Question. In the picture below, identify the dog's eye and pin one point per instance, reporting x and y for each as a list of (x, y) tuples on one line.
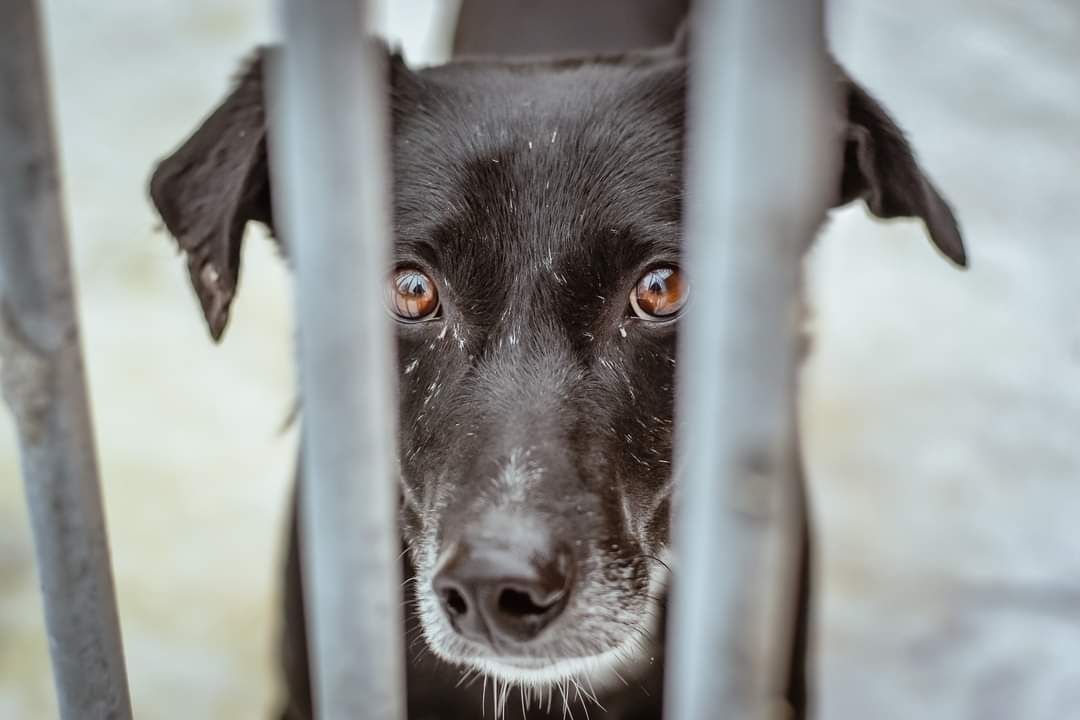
[(411, 295), (659, 294)]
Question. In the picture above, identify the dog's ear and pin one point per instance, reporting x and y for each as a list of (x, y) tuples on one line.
[(218, 180), (880, 167), (209, 188)]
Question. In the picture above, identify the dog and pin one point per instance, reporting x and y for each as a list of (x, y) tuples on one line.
[(537, 207)]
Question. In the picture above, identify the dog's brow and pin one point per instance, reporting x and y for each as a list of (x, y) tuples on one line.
[(412, 251), (652, 242)]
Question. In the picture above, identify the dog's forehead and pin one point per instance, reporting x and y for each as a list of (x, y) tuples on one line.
[(530, 158)]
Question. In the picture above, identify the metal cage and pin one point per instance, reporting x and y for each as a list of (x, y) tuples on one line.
[(755, 174)]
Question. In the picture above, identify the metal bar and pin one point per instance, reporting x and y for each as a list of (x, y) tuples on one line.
[(760, 172), (41, 370), (329, 141)]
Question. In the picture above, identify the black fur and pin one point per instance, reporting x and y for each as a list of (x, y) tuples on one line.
[(535, 194)]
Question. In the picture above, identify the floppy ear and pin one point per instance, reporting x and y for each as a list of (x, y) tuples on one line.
[(219, 179), (880, 167), (211, 186)]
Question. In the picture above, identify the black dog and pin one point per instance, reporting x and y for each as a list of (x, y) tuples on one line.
[(537, 209)]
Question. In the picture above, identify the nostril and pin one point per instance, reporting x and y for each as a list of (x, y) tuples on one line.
[(517, 603), (490, 593), (454, 601)]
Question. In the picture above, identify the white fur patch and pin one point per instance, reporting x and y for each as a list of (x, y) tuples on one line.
[(519, 472)]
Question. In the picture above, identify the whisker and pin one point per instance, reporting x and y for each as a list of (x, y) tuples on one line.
[(657, 560), (464, 676), (593, 697), (577, 689)]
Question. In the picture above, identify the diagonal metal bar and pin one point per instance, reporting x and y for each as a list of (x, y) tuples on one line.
[(760, 174), (41, 370)]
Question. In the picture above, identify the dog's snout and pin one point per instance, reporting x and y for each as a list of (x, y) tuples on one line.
[(494, 592)]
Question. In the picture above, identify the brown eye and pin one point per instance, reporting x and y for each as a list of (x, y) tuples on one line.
[(659, 294), (411, 295)]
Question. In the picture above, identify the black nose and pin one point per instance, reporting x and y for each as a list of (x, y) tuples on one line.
[(495, 591)]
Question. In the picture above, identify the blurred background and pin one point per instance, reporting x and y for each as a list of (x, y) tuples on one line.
[(941, 410)]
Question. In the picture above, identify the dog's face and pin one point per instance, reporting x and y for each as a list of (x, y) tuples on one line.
[(537, 288), (536, 388)]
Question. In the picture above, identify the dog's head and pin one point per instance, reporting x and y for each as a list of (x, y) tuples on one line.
[(537, 288)]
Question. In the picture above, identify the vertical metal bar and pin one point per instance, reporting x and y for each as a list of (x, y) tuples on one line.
[(44, 385), (329, 141), (760, 172)]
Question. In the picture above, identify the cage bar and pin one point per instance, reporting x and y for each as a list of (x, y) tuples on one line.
[(760, 162), (329, 140), (41, 370)]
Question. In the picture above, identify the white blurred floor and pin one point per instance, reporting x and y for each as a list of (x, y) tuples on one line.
[(941, 409)]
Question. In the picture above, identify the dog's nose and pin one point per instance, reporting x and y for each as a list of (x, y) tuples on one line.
[(495, 592)]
